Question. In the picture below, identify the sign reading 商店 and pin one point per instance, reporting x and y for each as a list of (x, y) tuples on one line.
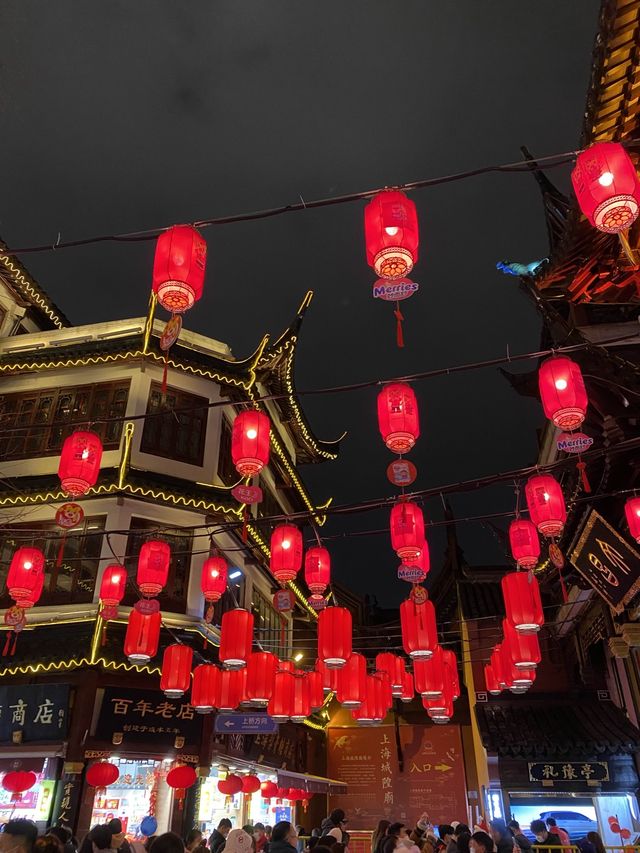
[(607, 562), (39, 711)]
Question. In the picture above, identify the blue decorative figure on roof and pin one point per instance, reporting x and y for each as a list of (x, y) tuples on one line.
[(514, 268)]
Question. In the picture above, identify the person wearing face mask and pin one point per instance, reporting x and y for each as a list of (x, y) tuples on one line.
[(544, 838)]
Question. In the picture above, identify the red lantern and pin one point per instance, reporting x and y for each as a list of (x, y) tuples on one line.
[(419, 631), (205, 688), (398, 418), (101, 775), (80, 462), (452, 680), (439, 710), (213, 580), (286, 665), (523, 649), (329, 676), (230, 786), (113, 585), (407, 530), (286, 553), (352, 681), (261, 672), (301, 698), (316, 691), (26, 576), (334, 636), (250, 784), (268, 790), (142, 637), (564, 397), (365, 713), (153, 566), (429, 675), (408, 688), (394, 667), (497, 667), (231, 685), (181, 777), (176, 670), (632, 512), (317, 569), (250, 442), (391, 234), (607, 187), (490, 680), (522, 602), (546, 504), (17, 782), (525, 545), (423, 562), (236, 638), (281, 703), (383, 699), (178, 268)]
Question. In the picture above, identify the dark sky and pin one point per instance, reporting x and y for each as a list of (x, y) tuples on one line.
[(121, 116)]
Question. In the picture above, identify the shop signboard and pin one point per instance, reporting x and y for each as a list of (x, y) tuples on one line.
[(146, 716), (251, 724), (568, 771), (607, 562), (65, 807), (39, 712)]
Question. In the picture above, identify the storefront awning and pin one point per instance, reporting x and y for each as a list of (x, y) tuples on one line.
[(313, 784)]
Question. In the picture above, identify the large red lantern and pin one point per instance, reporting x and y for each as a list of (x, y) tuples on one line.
[(523, 649), (176, 670), (497, 667), (546, 504), (452, 680), (525, 545), (250, 784), (490, 680), (153, 566), (352, 681), (142, 637), (439, 710), (316, 689), (317, 569), (281, 703), (286, 553), (301, 698), (205, 688), (391, 234), (179, 267), (230, 786), (632, 513), (231, 685), (102, 774), (268, 790), (407, 530), (236, 638), (182, 776), (383, 699), (261, 672), (113, 585), (80, 460), (394, 667), (26, 576), (564, 397), (17, 782), (364, 715), (213, 580), (328, 675), (398, 418), (334, 636), (607, 187), (522, 602), (408, 687), (429, 675), (419, 631), (250, 442)]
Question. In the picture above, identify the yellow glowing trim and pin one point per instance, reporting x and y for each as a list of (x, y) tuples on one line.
[(315, 726), (23, 282), (126, 453), (128, 667), (148, 326), (96, 638), (318, 726), (59, 495), (178, 500), (207, 374), (54, 666)]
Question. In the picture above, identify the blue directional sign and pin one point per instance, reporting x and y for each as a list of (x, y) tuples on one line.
[(248, 724)]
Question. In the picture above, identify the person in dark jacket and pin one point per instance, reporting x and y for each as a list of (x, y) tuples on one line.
[(379, 834), (544, 839), (502, 838), (334, 825), (390, 841), (284, 838), (520, 838), (219, 836)]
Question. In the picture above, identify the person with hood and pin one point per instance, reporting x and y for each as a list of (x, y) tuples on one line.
[(284, 838), (219, 836), (334, 825)]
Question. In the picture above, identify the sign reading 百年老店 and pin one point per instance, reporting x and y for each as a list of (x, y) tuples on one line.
[(147, 715), (607, 562), (37, 711), (569, 771)]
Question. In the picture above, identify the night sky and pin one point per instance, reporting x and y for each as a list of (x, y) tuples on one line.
[(122, 116)]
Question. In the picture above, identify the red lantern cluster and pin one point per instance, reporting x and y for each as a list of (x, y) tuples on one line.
[(250, 442), (391, 234), (398, 418), (153, 567), (607, 187), (179, 267), (80, 462), (286, 553), (564, 397), (25, 579), (545, 502)]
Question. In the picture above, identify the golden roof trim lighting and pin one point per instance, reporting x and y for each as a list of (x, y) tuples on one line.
[(22, 281)]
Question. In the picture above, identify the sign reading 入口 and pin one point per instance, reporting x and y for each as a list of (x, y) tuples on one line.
[(569, 771), (607, 562), (38, 711)]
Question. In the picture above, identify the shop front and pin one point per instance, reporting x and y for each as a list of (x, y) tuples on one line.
[(241, 809)]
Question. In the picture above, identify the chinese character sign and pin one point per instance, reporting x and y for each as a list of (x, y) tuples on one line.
[(569, 771), (147, 715), (39, 711)]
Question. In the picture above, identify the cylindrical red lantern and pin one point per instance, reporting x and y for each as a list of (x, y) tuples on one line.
[(101, 774), (546, 504), (26, 575), (365, 713), (429, 675), (419, 630), (301, 698), (452, 680), (113, 585), (286, 553), (525, 545), (383, 700), (394, 667), (632, 513), (523, 649), (18, 781), (522, 602), (281, 703), (213, 580), (407, 530), (490, 680), (153, 566), (261, 672), (268, 790), (398, 418), (439, 710), (423, 562), (329, 676), (250, 784), (334, 636), (142, 637), (408, 688), (250, 442), (316, 690), (236, 638), (80, 460), (231, 686), (564, 397), (179, 267), (176, 670), (352, 681), (182, 776), (607, 188), (497, 667), (317, 569), (205, 688), (286, 665), (391, 234)]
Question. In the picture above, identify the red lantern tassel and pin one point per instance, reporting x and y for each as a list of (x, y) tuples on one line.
[(244, 526), (103, 640), (582, 467), (399, 320), (163, 387), (565, 597), (61, 550), (7, 644)]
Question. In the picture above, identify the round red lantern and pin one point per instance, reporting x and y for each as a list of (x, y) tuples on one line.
[(250, 784), (231, 685), (632, 513), (407, 530), (18, 781), (236, 638), (607, 187), (113, 585), (142, 637), (286, 553), (408, 688), (268, 790), (328, 675), (181, 777), (301, 698), (394, 667), (230, 786), (176, 670), (398, 418), (391, 234), (316, 691), (281, 703), (250, 442), (334, 636), (525, 545), (153, 566), (490, 680), (546, 504), (102, 774), (179, 267), (261, 672), (523, 649), (429, 675), (564, 397), (419, 630), (213, 580), (317, 569), (522, 602), (80, 460), (26, 576), (205, 688), (352, 681)]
